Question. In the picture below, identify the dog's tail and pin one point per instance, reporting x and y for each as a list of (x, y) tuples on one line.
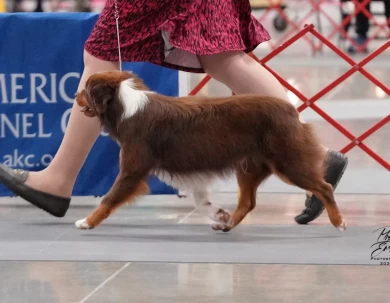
[(299, 143), (310, 137), (309, 151)]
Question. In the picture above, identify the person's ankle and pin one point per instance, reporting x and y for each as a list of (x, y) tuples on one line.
[(360, 41), (53, 184)]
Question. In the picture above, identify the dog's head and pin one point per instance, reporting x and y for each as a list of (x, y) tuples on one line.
[(101, 93)]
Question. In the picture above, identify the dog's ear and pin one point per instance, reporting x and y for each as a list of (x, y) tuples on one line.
[(81, 98), (102, 95), (82, 101)]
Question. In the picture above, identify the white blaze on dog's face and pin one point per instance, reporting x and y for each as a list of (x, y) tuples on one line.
[(132, 100)]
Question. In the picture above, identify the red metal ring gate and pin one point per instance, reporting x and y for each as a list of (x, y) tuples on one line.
[(338, 27), (310, 102)]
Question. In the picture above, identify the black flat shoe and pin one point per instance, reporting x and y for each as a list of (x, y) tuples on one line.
[(14, 180), (336, 164)]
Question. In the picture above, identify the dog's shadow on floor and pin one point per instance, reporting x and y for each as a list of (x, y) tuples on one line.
[(49, 224), (212, 238), (158, 233), (188, 233)]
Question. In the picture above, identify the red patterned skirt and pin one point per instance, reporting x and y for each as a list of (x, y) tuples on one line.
[(172, 33)]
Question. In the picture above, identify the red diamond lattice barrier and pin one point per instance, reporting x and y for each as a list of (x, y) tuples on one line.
[(310, 102), (360, 7), (276, 5), (338, 27)]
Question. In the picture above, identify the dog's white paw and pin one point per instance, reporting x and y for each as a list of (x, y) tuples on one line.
[(221, 226), (223, 220), (82, 224), (223, 216), (342, 227)]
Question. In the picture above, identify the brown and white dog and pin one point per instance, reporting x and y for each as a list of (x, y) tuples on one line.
[(189, 141)]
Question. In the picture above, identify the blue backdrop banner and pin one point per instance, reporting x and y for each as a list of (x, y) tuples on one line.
[(41, 61)]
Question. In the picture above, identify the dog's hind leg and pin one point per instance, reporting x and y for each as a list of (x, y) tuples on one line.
[(248, 180), (310, 178)]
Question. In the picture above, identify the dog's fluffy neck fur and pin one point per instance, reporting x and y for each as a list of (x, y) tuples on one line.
[(132, 99), (131, 102)]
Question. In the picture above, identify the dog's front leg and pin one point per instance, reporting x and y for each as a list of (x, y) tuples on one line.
[(125, 189), (130, 183)]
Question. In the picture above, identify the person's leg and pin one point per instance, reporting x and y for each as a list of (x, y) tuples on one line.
[(80, 135), (39, 7), (362, 22), (51, 188), (386, 3), (82, 6), (17, 6), (344, 14), (362, 27), (242, 74)]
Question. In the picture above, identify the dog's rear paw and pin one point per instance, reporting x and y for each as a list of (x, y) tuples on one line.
[(342, 227), (82, 224)]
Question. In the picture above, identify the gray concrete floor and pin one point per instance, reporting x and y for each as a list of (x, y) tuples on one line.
[(89, 281)]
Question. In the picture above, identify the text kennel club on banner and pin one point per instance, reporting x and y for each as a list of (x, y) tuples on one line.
[(41, 63)]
